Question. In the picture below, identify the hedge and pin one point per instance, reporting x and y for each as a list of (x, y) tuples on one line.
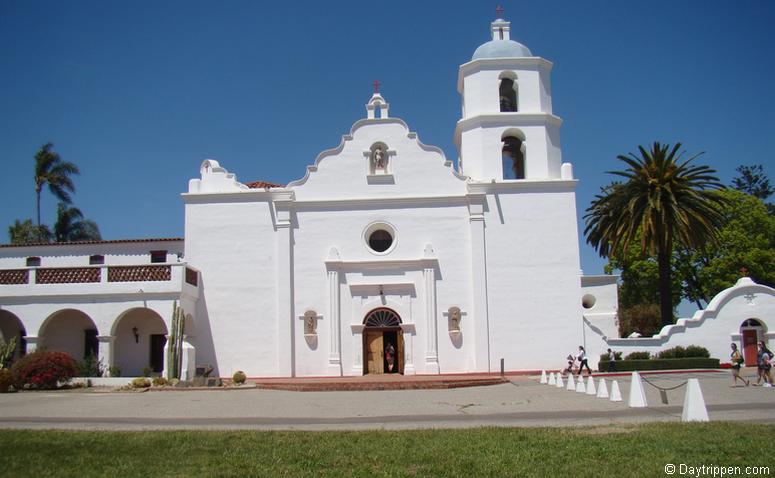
[(661, 364)]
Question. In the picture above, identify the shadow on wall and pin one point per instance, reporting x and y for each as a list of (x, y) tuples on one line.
[(205, 347)]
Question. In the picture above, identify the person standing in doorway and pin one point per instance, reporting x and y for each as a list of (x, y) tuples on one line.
[(737, 363), (582, 358), (390, 357)]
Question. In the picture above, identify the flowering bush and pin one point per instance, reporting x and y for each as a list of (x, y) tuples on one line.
[(43, 369)]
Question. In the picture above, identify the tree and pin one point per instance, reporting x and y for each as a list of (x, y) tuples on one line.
[(747, 240), (71, 226), (754, 181), (28, 233), (665, 200), (51, 170)]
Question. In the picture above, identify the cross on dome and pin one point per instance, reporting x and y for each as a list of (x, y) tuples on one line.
[(376, 86), (499, 12)]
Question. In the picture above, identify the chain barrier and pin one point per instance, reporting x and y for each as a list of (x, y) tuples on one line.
[(663, 390)]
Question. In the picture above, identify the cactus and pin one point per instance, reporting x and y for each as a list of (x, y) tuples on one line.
[(7, 351), (175, 343)]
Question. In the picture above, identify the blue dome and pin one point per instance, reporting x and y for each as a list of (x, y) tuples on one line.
[(501, 49)]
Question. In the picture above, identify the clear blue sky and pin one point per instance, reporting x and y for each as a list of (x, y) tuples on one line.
[(138, 93)]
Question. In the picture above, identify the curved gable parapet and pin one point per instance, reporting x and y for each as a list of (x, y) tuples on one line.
[(214, 179), (354, 136), (742, 288)]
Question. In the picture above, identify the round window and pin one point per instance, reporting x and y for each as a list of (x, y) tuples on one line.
[(380, 240), (588, 301)]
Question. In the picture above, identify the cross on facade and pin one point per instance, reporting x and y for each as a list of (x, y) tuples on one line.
[(744, 271), (376, 86), (499, 12)]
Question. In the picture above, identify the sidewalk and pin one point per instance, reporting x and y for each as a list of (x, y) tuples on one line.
[(520, 402)]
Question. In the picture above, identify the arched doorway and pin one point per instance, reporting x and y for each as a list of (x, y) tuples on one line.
[(10, 327), (382, 334), (70, 331), (752, 331), (141, 335)]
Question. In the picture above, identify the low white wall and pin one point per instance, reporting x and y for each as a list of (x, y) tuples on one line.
[(715, 327)]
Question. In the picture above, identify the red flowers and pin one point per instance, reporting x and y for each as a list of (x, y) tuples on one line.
[(43, 369)]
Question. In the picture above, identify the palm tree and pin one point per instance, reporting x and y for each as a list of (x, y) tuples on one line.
[(50, 169), (664, 200), (71, 226)]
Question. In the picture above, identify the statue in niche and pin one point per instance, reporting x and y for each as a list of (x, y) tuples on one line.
[(309, 323), (378, 160), (454, 318)]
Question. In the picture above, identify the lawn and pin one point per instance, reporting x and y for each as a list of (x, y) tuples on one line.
[(621, 450)]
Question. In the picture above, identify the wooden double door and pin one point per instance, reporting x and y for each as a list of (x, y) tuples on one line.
[(375, 342)]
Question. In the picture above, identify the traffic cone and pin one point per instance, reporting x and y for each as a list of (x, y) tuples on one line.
[(591, 386), (571, 384), (616, 395), (637, 394), (559, 381), (580, 388), (552, 379), (543, 376), (602, 389), (694, 405)]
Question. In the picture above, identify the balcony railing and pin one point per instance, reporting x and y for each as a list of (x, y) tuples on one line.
[(177, 272)]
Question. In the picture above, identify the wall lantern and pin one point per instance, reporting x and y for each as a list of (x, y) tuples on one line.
[(136, 334)]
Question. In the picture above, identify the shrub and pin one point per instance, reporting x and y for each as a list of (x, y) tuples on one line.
[(141, 382), (114, 371), (673, 353), (43, 369), (638, 356), (663, 364), (160, 381), (697, 351), (239, 377), (605, 357), (90, 367), (688, 352), (7, 351), (6, 380)]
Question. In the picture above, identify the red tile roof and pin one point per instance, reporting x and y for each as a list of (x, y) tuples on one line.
[(114, 241), (263, 184)]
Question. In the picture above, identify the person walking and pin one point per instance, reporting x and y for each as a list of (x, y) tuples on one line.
[(582, 358), (611, 361), (763, 365), (737, 363)]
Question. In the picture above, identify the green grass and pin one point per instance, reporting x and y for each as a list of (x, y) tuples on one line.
[(622, 450)]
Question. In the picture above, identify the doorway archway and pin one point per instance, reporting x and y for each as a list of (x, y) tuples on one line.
[(752, 331), (383, 342)]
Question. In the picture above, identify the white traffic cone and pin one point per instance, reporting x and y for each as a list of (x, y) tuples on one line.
[(580, 388), (571, 384), (552, 379), (616, 395), (591, 386), (602, 389), (637, 394), (559, 381), (694, 405), (543, 376)]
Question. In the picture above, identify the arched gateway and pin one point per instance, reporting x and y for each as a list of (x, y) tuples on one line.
[(383, 342)]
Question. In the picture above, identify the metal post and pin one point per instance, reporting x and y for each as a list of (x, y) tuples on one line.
[(502, 369)]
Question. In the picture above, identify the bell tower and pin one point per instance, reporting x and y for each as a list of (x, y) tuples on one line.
[(507, 131)]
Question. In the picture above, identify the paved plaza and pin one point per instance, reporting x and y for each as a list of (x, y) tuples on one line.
[(521, 402)]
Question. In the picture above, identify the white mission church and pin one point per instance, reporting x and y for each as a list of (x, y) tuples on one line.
[(382, 244)]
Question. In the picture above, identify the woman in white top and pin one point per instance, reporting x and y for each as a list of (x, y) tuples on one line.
[(582, 358)]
